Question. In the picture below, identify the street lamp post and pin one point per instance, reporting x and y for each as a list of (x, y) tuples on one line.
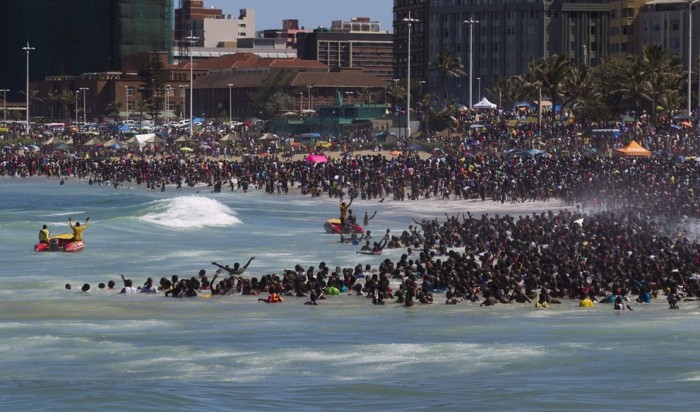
[(690, 48), (4, 104), (183, 93), (230, 118), (126, 98), (409, 21), (396, 103), (167, 104), (308, 86), (28, 49), (478, 81), (84, 90), (77, 94), (191, 39), (471, 22)]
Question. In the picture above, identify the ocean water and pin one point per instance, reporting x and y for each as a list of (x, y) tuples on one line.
[(67, 350)]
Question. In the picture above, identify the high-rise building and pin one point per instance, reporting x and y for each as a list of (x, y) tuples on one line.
[(210, 26), (356, 43), (71, 37), (506, 35)]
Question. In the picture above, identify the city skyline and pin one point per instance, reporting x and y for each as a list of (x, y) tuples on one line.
[(270, 13)]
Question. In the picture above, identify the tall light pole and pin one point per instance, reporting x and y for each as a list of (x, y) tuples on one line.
[(478, 81), (167, 104), (230, 119), (4, 104), (308, 86), (77, 94), (690, 48), (191, 39), (126, 98), (301, 103), (84, 90), (409, 21), (471, 22), (183, 93), (28, 49), (690, 36)]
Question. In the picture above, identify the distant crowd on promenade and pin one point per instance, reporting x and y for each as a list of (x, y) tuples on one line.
[(661, 184)]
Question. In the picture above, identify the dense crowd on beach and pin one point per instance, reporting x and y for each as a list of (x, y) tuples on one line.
[(626, 250), (661, 184)]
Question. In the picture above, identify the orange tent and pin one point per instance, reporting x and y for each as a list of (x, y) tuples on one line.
[(633, 149)]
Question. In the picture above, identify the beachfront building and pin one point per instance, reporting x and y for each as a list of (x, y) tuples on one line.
[(210, 27), (506, 35), (235, 79), (290, 32), (624, 27), (665, 23), (357, 43), (72, 37)]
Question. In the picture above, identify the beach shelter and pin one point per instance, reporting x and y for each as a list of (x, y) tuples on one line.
[(54, 141), (154, 140), (183, 139), (228, 138), (93, 142), (633, 149), (485, 104), (269, 136), (112, 143)]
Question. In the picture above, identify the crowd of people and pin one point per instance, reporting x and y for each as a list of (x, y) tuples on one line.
[(622, 248), (541, 259)]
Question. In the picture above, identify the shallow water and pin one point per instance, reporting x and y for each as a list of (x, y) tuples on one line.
[(66, 350)]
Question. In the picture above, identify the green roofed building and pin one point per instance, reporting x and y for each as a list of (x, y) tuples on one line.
[(72, 37)]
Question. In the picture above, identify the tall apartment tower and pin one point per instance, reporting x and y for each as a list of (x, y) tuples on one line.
[(72, 37), (506, 35)]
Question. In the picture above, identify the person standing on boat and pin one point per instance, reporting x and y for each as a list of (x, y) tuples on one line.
[(44, 235), (77, 228), (344, 207)]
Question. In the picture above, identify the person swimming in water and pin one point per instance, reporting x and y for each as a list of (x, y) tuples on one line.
[(236, 269)]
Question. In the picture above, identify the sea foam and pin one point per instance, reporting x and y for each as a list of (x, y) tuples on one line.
[(188, 212)]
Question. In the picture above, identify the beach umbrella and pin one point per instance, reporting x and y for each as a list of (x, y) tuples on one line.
[(204, 147), (269, 136), (186, 149), (414, 147), (316, 158)]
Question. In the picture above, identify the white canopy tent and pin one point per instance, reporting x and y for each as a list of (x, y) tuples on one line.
[(485, 104)]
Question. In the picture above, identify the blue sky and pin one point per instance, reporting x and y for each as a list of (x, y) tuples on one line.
[(310, 13)]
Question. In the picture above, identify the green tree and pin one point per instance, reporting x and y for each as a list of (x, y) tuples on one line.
[(551, 74), (448, 66), (154, 77), (114, 108), (274, 83)]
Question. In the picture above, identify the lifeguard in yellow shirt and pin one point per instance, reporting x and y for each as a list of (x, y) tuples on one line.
[(77, 228)]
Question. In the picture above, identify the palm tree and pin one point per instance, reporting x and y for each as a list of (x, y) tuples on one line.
[(551, 74), (67, 100), (53, 98), (397, 92), (367, 95), (448, 67), (115, 107), (664, 74)]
